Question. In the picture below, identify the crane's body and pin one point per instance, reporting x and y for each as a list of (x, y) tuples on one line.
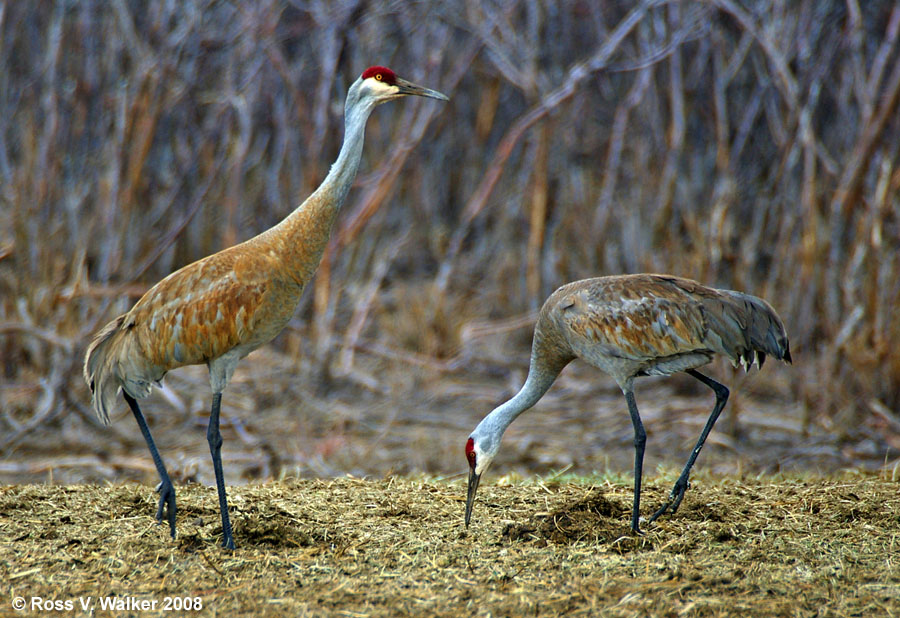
[(215, 310), (629, 326), (219, 309)]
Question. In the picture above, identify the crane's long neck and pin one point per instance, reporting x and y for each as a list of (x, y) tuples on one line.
[(546, 363), (300, 239)]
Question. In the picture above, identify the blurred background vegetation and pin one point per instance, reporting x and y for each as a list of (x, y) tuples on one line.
[(746, 144)]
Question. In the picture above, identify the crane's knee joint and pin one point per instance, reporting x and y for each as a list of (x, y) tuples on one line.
[(214, 439), (640, 439)]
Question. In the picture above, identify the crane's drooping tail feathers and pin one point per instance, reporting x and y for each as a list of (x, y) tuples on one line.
[(748, 327), (98, 369)]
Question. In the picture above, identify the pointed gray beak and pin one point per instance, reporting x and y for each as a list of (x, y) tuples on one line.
[(410, 88), (474, 479)]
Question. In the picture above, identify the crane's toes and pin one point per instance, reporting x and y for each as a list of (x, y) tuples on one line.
[(660, 512), (228, 542), (677, 501), (167, 501), (675, 497)]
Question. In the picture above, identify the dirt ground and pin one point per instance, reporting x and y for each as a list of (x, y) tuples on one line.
[(773, 546)]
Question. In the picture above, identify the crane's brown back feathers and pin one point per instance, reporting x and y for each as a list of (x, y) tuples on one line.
[(208, 308), (658, 324), (237, 299)]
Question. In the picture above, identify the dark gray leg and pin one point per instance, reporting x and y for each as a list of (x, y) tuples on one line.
[(640, 441), (165, 489), (681, 484), (215, 448)]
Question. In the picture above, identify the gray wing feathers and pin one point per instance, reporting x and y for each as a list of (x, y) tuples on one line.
[(747, 327)]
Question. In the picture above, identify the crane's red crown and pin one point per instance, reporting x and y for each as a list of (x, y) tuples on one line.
[(470, 452), (382, 74)]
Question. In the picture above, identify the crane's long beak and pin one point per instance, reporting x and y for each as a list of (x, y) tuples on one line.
[(410, 88), (474, 479)]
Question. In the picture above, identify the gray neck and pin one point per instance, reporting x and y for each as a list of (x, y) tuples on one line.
[(343, 171), (490, 430), (301, 237)]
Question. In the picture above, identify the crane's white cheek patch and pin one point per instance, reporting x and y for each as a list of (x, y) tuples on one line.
[(380, 88), (482, 461)]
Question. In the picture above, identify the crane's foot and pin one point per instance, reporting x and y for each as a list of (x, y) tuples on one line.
[(228, 542), (227, 536), (675, 497), (636, 521), (167, 500)]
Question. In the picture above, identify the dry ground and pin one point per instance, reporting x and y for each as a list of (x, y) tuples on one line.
[(773, 546)]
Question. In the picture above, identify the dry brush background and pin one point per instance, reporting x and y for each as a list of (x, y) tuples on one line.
[(751, 145)]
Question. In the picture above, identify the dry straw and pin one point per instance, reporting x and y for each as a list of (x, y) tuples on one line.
[(352, 547)]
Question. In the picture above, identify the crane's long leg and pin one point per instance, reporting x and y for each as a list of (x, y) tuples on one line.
[(640, 441), (166, 489), (681, 484), (215, 448)]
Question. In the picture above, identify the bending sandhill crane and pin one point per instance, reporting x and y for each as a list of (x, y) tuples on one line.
[(629, 326), (219, 309)]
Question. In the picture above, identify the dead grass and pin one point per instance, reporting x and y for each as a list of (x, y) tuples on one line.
[(775, 546)]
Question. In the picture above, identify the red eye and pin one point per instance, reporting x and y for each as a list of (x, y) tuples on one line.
[(470, 452)]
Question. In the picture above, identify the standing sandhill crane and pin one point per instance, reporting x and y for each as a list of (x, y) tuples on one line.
[(219, 309), (630, 326)]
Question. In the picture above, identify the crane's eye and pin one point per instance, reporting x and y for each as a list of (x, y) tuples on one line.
[(470, 452), (378, 76)]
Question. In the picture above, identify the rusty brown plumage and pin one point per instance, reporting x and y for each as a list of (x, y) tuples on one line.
[(630, 326), (239, 298), (649, 324), (219, 309)]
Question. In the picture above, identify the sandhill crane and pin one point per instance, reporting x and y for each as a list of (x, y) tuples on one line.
[(220, 308), (629, 326)]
